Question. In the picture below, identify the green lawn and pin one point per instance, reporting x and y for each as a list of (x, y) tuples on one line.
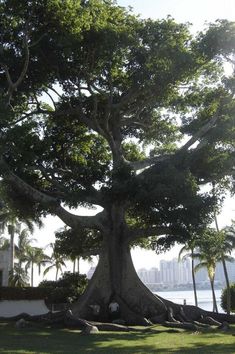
[(161, 340)]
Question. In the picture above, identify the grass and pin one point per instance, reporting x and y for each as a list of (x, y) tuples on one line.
[(161, 341)]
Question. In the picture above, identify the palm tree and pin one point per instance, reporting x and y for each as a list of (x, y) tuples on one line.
[(189, 250), (24, 243), (57, 262), (35, 255), (10, 221), (210, 249), (18, 277), (228, 235), (228, 246)]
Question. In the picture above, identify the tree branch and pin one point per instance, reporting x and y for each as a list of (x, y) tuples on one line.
[(200, 133), (90, 195), (49, 202), (138, 165), (12, 86), (72, 220), (136, 233)]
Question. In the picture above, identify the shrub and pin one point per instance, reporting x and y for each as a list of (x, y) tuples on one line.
[(67, 289), (224, 298)]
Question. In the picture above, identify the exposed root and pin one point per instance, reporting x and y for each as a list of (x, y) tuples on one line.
[(184, 325), (175, 316)]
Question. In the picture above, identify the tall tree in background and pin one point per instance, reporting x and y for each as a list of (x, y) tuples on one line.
[(56, 261), (212, 248), (12, 225), (207, 254), (228, 246), (35, 256), (24, 243), (188, 250), (83, 243), (18, 277), (117, 84), (12, 222)]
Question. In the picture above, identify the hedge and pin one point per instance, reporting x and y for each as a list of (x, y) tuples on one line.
[(27, 293)]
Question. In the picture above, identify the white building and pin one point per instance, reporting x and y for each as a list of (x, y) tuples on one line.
[(4, 267)]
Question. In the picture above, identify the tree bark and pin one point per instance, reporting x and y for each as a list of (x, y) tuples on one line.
[(194, 282), (215, 308), (78, 265), (115, 279), (32, 266), (228, 287), (225, 273), (12, 248)]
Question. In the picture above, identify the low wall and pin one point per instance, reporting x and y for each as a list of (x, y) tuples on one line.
[(9, 308)]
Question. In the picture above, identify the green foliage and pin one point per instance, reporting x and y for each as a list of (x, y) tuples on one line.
[(209, 251), (67, 289), (18, 277), (224, 298), (76, 243)]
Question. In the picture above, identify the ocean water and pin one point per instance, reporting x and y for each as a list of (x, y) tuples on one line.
[(204, 298)]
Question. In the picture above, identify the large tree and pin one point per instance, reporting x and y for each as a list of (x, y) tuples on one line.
[(139, 119)]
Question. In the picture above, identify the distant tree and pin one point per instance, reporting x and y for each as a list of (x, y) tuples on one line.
[(224, 298), (12, 222), (186, 251), (226, 250), (35, 256), (56, 261), (75, 245), (18, 277), (210, 250), (23, 245), (67, 288), (12, 225)]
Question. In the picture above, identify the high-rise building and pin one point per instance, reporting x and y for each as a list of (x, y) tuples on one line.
[(173, 273)]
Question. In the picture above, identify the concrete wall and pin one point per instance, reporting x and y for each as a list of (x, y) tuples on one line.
[(9, 308)]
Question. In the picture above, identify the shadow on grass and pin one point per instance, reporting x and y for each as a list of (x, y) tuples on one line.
[(59, 341), (202, 348)]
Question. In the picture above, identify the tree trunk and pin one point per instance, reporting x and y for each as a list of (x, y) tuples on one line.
[(228, 287), (194, 282), (215, 308), (74, 265), (225, 273), (116, 273), (12, 248), (115, 279), (32, 265), (78, 265), (56, 274)]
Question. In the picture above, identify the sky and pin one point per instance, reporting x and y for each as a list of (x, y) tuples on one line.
[(198, 13)]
